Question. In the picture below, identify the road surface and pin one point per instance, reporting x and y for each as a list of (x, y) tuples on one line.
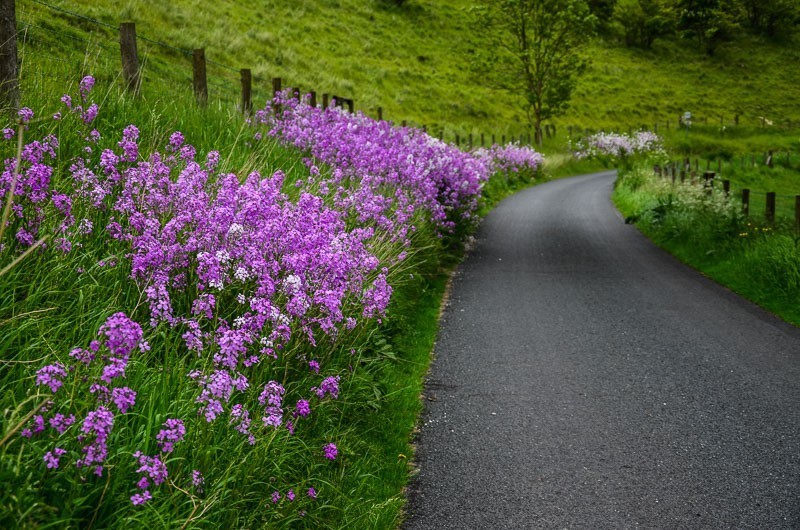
[(585, 379)]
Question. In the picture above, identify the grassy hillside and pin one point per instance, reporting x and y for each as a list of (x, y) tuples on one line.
[(412, 60)]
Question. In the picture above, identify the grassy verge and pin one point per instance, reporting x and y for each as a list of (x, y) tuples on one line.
[(760, 261), (63, 466)]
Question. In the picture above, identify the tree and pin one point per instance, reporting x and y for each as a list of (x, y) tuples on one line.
[(532, 49), (712, 22), (603, 10), (771, 17), (643, 21)]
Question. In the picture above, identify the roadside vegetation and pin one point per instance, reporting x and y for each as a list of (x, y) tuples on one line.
[(216, 321), (210, 321), (701, 224)]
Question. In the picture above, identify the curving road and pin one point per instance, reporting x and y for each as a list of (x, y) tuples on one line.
[(585, 379)]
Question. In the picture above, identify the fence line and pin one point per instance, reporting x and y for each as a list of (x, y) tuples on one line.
[(684, 173), (132, 80)]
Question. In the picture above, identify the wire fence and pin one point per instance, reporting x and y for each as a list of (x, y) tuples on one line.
[(782, 209)]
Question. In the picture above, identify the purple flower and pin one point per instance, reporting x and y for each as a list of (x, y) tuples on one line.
[(51, 457), (86, 85), (122, 334), (128, 143), (61, 423), (313, 365), (176, 140), (151, 467), (90, 114), (96, 428), (290, 495), (25, 114), (141, 498), (198, 480), (330, 385), (312, 493), (51, 375), (303, 408), (8, 134), (172, 433), (124, 398), (276, 496), (330, 451)]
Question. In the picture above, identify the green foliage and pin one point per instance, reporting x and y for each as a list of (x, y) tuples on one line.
[(707, 230), (641, 22), (412, 61), (534, 51), (711, 22), (602, 10), (773, 18)]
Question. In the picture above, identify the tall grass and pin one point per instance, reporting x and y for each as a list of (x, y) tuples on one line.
[(60, 304)]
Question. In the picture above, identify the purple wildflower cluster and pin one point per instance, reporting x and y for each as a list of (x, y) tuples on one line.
[(30, 183), (330, 451), (399, 172), (152, 472), (511, 158), (94, 371), (615, 147), (233, 265)]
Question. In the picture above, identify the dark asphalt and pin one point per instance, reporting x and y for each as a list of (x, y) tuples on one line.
[(586, 379)]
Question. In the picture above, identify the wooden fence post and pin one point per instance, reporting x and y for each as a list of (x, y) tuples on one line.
[(247, 84), (458, 141), (276, 86), (380, 113), (199, 76), (326, 100), (470, 140), (351, 105), (130, 57), (483, 141), (726, 187), (9, 73), (770, 212), (746, 201), (312, 99)]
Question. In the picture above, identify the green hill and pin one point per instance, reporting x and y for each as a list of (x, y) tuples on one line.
[(412, 60)]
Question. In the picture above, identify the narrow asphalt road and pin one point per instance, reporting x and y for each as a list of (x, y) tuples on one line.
[(585, 379)]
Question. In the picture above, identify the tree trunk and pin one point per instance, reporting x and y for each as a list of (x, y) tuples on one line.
[(9, 83)]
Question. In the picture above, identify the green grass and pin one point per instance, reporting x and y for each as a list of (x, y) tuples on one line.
[(50, 305), (755, 259), (413, 61)]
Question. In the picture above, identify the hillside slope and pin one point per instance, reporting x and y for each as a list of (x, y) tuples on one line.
[(413, 61)]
